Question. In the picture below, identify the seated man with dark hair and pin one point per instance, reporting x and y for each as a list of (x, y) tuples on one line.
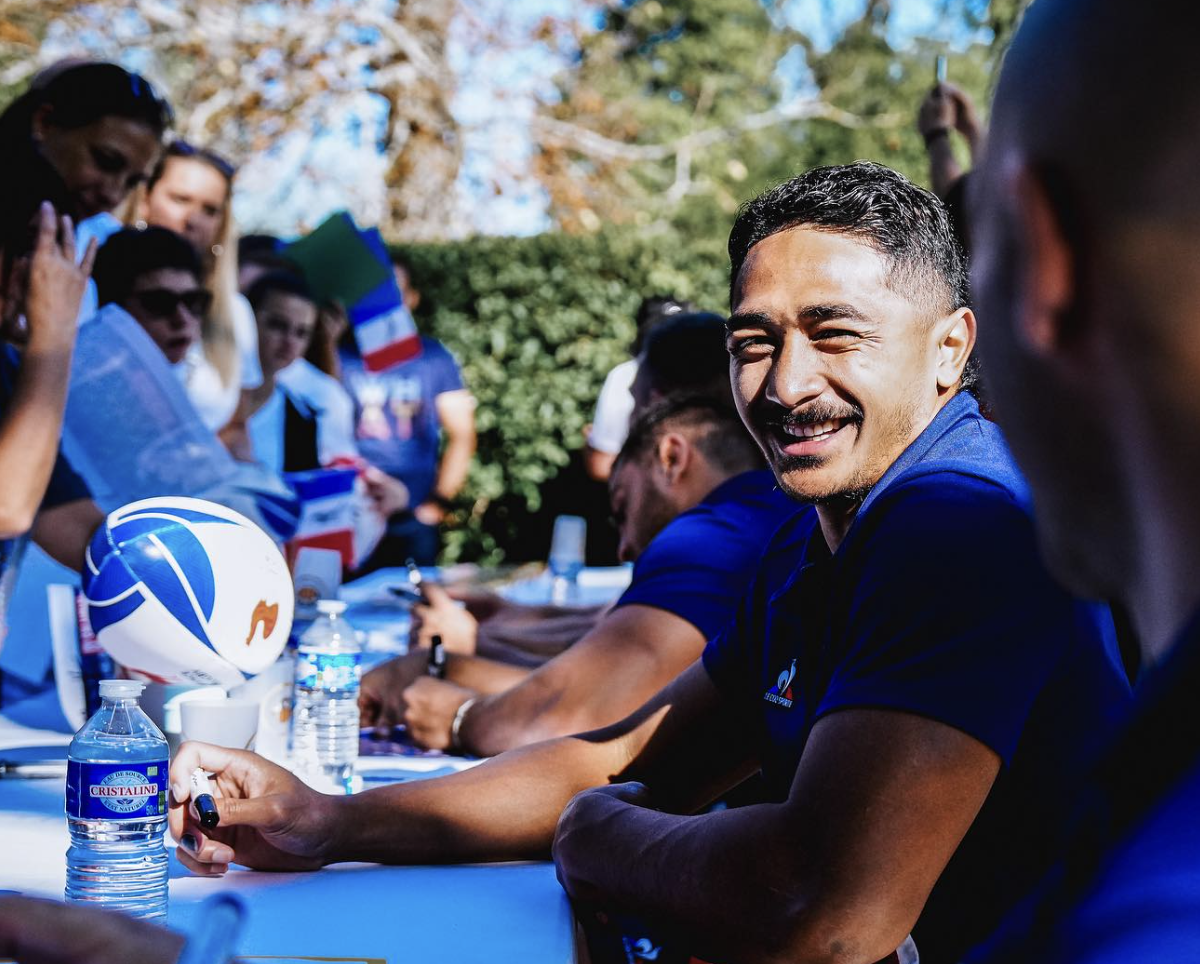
[(687, 479)]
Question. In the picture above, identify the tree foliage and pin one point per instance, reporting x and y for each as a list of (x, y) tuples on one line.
[(676, 110), (537, 323)]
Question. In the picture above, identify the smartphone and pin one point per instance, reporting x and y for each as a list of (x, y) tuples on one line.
[(939, 69)]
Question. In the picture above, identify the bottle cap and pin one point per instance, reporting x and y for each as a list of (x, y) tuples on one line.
[(331, 607), (121, 689)]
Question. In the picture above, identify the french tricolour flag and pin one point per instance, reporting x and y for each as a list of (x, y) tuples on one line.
[(326, 511), (383, 325)]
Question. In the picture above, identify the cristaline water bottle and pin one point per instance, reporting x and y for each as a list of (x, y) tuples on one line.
[(117, 785), (325, 708)]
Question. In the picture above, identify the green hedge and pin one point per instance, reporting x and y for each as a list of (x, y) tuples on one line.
[(536, 324)]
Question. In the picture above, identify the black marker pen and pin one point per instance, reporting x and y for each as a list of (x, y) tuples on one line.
[(437, 659), (202, 799)]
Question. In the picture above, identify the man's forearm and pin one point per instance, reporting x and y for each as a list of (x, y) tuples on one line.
[(706, 881), (504, 809), (483, 675)]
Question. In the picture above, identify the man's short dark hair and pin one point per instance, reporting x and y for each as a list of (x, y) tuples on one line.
[(129, 254), (870, 203), (685, 354), (282, 282), (718, 433), (877, 206)]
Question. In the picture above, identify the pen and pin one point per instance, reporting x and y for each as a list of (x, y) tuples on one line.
[(202, 798), (437, 659)]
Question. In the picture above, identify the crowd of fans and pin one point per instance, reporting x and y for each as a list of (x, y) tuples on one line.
[(859, 702)]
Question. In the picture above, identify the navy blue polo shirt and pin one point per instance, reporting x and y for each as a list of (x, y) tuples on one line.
[(1127, 890), (699, 565), (935, 603)]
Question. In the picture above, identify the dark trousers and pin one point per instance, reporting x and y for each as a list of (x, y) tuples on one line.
[(406, 538)]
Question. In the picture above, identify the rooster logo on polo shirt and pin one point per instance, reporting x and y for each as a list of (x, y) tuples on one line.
[(781, 693)]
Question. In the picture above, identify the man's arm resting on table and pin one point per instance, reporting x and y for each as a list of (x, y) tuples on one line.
[(504, 809), (64, 531), (840, 871), (632, 652)]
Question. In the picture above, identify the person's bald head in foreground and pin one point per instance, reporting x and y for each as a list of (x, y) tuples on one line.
[(1086, 228)]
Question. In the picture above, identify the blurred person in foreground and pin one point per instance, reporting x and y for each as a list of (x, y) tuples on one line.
[(915, 688), (688, 479), (191, 193), (415, 422), (615, 404), (1087, 245), (683, 356)]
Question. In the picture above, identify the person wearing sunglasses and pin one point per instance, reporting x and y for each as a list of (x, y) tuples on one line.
[(155, 276), (191, 193)]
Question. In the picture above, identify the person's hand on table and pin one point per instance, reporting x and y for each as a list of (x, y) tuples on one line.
[(439, 615), (270, 820), (587, 823), (381, 694), (430, 705)]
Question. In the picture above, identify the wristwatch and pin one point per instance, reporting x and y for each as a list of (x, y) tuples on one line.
[(456, 725)]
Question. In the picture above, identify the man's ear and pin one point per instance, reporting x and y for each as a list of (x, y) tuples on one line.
[(39, 122), (673, 456), (1046, 277), (956, 338)]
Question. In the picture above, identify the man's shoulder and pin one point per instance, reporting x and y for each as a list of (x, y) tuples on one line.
[(746, 508), (943, 502)]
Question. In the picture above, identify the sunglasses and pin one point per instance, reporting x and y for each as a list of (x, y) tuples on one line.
[(184, 149), (163, 302)]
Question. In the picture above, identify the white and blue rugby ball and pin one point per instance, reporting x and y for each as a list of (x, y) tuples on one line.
[(187, 591)]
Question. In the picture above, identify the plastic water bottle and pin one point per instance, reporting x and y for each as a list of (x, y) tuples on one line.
[(325, 710), (568, 544), (117, 785)]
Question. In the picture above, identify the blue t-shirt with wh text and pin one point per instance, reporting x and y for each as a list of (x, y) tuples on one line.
[(396, 422)]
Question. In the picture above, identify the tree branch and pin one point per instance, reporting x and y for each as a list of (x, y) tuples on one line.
[(556, 133)]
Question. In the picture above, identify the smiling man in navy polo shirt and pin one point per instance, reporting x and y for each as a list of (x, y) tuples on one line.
[(913, 685)]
